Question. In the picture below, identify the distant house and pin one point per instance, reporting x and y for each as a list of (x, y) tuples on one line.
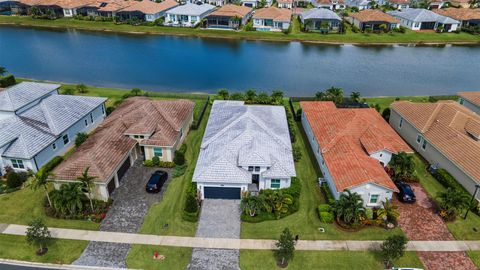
[(360, 4), (255, 3), (320, 19), (37, 124), (285, 4), (329, 4), (445, 133), (397, 4), (245, 148), (352, 148), (471, 100), (229, 17), (109, 8), (188, 15), (461, 3), (272, 19), (139, 126), (147, 10), (423, 19), (372, 19), (466, 16)]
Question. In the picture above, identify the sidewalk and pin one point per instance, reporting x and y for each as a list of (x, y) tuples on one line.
[(224, 243)]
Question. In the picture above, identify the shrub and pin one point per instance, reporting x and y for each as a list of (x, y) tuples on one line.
[(81, 88), (69, 91), (156, 161), (183, 149), (386, 114), (81, 138), (297, 154), (355, 29), (369, 213), (166, 164), (447, 180), (324, 208), (110, 109), (327, 193), (54, 162), (295, 188), (7, 81), (148, 163), (191, 203), (326, 217), (15, 180), (179, 170), (179, 158)]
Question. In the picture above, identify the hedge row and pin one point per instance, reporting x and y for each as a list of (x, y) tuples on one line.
[(447, 180), (7, 81)]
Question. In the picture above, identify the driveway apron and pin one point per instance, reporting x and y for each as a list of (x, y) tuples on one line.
[(218, 219), (420, 222), (130, 205)]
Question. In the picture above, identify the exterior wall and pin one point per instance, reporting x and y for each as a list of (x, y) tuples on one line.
[(265, 183), (192, 20), (201, 185), (167, 153), (285, 5), (431, 154), (260, 24), (29, 164), (252, 4), (366, 190), (474, 108), (382, 156)]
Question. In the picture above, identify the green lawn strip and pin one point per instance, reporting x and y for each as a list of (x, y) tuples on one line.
[(385, 102), (264, 259), (21, 207), (15, 247), (349, 37), (141, 257), (305, 221), (170, 209), (475, 256)]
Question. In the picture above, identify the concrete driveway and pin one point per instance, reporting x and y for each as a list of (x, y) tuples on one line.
[(130, 205), (218, 219)]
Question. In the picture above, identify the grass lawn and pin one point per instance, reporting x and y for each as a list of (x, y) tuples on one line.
[(249, 260), (305, 221), (169, 210), (295, 35), (141, 257), (15, 247), (475, 256), (462, 229)]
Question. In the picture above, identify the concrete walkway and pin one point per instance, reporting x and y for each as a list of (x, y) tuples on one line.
[(224, 243)]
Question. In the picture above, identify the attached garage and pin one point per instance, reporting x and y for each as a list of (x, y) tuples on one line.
[(230, 193), (123, 169)]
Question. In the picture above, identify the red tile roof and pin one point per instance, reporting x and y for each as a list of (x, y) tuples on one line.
[(461, 14), (231, 10), (472, 97), (150, 7), (373, 15), (347, 137), (276, 14)]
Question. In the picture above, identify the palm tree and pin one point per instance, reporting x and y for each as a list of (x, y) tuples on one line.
[(250, 96), (3, 71), (277, 97), (251, 204), (40, 179), (355, 97), (403, 164), (88, 183), (320, 95), (389, 212), (282, 203), (223, 93), (335, 94), (69, 199), (349, 207), (453, 201)]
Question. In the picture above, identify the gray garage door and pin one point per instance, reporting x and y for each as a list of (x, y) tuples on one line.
[(222, 193)]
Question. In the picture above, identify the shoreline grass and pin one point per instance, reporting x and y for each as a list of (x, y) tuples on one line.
[(410, 37)]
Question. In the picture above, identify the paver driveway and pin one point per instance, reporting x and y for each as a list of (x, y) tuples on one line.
[(131, 204), (218, 219), (420, 222)]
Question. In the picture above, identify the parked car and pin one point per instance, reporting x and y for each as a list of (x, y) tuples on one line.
[(156, 181), (405, 193)]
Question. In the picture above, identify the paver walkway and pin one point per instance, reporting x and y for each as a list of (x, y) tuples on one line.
[(218, 219), (131, 204), (420, 222)]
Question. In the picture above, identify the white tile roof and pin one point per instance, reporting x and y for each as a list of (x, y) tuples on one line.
[(17, 96), (422, 15), (244, 135), (319, 13), (191, 9), (30, 132)]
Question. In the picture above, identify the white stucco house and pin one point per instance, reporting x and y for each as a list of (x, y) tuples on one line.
[(445, 133), (255, 3), (272, 19), (470, 100), (188, 15), (244, 148), (37, 124), (352, 148), (423, 19)]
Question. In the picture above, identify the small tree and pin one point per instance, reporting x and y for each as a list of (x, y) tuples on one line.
[(250, 96), (277, 97), (386, 114), (136, 92), (37, 234), (81, 138), (69, 91), (81, 88), (453, 201), (393, 248), (285, 247), (88, 183), (40, 179), (403, 165), (179, 158), (355, 97), (223, 94), (263, 98), (3, 71)]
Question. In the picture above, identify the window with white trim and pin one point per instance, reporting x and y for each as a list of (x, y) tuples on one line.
[(66, 140), (91, 117), (275, 183), (373, 198), (86, 122), (424, 144), (54, 146), (17, 164), (419, 138), (158, 152)]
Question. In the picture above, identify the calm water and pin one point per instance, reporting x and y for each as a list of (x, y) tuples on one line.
[(165, 63)]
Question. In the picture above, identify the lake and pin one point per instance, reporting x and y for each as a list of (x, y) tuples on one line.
[(184, 64)]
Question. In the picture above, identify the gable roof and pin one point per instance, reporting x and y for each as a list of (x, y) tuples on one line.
[(276, 14), (461, 14), (422, 15), (445, 125), (231, 10), (472, 97), (372, 15), (347, 137), (150, 7), (22, 94), (319, 13), (31, 131), (107, 147), (192, 9), (244, 135)]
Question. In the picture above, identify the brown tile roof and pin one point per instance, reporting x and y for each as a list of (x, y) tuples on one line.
[(373, 15), (150, 7), (115, 5), (347, 137), (108, 145), (445, 125), (461, 14), (232, 11), (62, 3), (276, 14), (472, 97)]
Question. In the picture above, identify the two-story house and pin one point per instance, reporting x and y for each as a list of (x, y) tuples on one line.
[(245, 148)]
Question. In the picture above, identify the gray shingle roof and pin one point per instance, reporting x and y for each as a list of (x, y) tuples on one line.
[(319, 13), (38, 127), (422, 15), (17, 96), (191, 9), (244, 135)]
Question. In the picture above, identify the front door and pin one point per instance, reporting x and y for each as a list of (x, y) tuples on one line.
[(255, 179)]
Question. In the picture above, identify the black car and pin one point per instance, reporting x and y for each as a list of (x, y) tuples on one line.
[(405, 193), (156, 181)]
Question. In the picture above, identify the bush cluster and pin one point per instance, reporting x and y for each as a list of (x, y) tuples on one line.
[(325, 213), (191, 207), (156, 162), (7, 81), (16, 179), (447, 180), (327, 193)]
